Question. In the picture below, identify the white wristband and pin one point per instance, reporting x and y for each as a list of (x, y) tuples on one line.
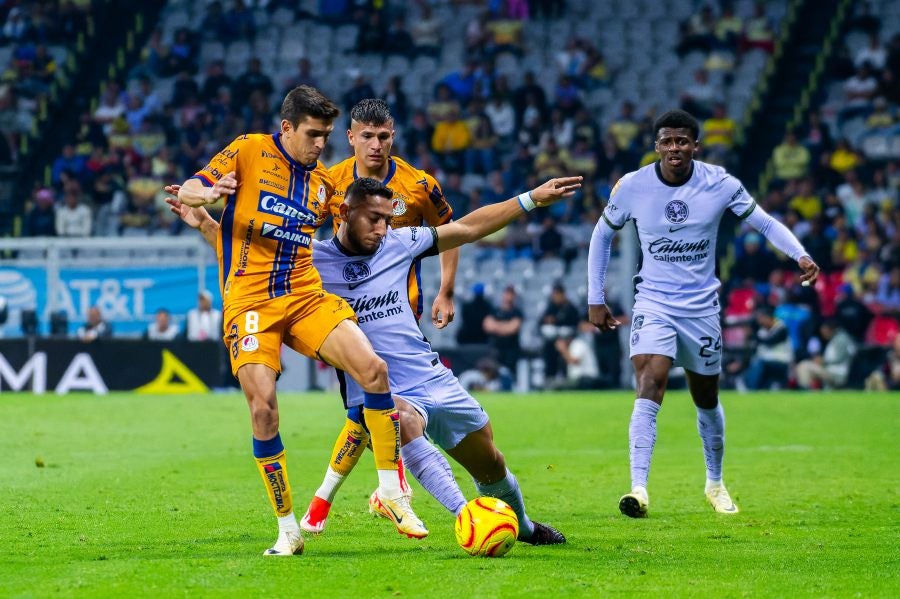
[(526, 202)]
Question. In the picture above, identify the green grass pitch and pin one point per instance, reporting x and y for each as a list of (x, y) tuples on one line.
[(157, 496)]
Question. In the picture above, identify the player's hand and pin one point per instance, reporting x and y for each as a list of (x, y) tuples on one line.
[(442, 311), (602, 318), (810, 270), (226, 186), (192, 217), (555, 189)]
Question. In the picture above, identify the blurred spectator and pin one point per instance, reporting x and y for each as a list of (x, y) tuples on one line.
[(874, 55), (753, 261), (806, 202), (729, 28), (303, 76), (95, 327), (718, 134), (487, 375), (503, 118), (567, 95), (560, 319), (162, 328), (481, 156), (697, 33), (360, 89), (503, 326), (816, 136), (426, 33), (472, 317), (701, 96), (529, 93), (830, 362), (372, 38), (214, 25), (253, 80), (455, 196), (40, 221), (582, 371), (790, 159), (73, 218), (216, 78), (204, 323), (504, 35), (772, 357), (111, 106), (888, 297), (68, 161), (881, 116), (859, 91), (399, 40), (450, 140), (758, 31), (624, 127), (495, 191), (853, 315), (396, 99), (239, 22)]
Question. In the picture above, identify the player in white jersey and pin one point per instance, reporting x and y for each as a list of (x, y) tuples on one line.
[(676, 205), (367, 263)]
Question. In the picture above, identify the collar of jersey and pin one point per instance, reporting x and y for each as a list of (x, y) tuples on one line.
[(276, 137), (659, 175), (390, 174)]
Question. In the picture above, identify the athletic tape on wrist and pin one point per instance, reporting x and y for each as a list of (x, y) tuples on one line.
[(526, 202)]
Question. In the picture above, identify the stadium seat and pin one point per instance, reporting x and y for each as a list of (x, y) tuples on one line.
[(882, 331), (739, 305)]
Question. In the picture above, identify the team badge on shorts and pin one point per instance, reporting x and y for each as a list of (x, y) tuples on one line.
[(635, 338), (399, 207), (676, 212), (638, 322), (249, 343)]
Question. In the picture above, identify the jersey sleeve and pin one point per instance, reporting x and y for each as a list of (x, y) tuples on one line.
[(418, 241), (740, 201), (436, 211), (222, 163), (618, 210)]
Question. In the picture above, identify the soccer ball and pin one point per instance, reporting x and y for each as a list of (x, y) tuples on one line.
[(487, 527)]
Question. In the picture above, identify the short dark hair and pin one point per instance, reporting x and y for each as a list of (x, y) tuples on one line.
[(371, 111), (677, 119), (363, 187), (305, 101)]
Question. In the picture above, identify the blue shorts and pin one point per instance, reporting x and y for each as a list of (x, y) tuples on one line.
[(449, 411)]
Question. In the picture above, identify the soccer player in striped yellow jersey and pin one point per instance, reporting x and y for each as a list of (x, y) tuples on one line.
[(417, 200), (276, 194)]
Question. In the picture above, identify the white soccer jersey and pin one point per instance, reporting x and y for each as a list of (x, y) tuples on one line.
[(677, 227), (376, 287)]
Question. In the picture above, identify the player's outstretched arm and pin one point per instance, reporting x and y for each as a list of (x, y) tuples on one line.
[(196, 218), (785, 241), (488, 219), (598, 261), (194, 193)]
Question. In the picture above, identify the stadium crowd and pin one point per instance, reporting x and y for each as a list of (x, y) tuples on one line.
[(487, 134)]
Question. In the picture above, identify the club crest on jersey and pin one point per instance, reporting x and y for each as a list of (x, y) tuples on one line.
[(676, 212), (321, 193), (356, 271), (249, 343), (398, 207)]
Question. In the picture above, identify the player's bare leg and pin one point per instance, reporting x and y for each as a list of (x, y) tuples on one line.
[(258, 383), (481, 458), (652, 373), (711, 426), (347, 348)]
